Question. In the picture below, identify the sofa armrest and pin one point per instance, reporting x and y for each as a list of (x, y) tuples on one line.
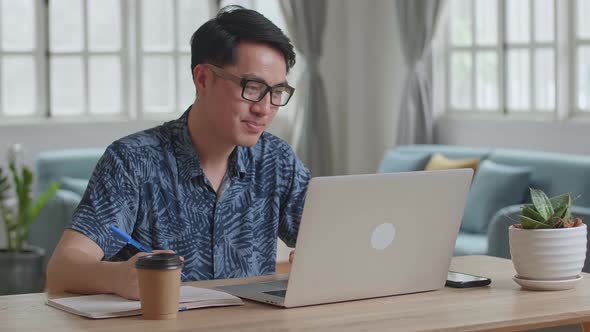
[(53, 219), (498, 230), (498, 244)]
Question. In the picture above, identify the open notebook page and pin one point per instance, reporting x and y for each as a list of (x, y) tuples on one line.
[(109, 305)]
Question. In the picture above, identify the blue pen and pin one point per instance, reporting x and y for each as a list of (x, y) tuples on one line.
[(129, 240)]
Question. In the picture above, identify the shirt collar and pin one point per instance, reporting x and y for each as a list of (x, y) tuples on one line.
[(187, 158)]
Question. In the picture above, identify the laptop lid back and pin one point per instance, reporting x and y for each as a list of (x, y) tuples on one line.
[(364, 236)]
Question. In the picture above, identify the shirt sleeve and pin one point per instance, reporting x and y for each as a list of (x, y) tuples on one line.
[(293, 200), (111, 198)]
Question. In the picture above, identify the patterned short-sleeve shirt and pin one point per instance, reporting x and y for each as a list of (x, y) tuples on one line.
[(151, 185)]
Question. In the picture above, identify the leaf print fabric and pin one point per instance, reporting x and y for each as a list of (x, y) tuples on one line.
[(151, 185)]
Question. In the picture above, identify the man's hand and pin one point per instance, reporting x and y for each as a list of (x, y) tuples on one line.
[(126, 282), (76, 266), (291, 256)]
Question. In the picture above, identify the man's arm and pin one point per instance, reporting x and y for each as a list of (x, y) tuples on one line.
[(77, 263), (296, 177), (76, 266)]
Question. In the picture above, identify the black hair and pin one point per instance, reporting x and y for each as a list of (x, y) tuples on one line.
[(217, 40)]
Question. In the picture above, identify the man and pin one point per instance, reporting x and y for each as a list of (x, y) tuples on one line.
[(211, 186)]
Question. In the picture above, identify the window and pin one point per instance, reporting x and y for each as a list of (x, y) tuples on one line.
[(21, 58), (86, 57), (165, 29), (108, 58), (65, 58), (517, 57)]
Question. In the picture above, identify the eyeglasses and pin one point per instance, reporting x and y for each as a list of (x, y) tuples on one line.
[(255, 90)]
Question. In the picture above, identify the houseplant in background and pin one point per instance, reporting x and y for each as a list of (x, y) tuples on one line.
[(21, 265), (548, 247)]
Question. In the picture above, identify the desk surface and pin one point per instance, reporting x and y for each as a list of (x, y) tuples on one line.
[(503, 306)]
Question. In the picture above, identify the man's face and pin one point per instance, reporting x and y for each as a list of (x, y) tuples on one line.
[(238, 121)]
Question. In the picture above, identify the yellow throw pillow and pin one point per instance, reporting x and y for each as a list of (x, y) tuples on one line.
[(438, 162)]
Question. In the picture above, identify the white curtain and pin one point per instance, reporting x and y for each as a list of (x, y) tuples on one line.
[(417, 21), (306, 20)]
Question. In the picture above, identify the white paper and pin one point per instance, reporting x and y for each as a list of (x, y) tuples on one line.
[(109, 305)]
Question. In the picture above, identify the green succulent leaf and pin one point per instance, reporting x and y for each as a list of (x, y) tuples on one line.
[(562, 205), (554, 221), (530, 212), (528, 223), (542, 203)]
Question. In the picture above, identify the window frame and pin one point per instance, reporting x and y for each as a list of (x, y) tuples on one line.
[(565, 47), (40, 8), (176, 53), (576, 44), (131, 56), (85, 54)]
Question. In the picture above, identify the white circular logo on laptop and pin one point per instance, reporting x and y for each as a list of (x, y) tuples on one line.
[(383, 236)]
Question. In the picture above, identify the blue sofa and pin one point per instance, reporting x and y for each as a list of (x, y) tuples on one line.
[(72, 168), (493, 188)]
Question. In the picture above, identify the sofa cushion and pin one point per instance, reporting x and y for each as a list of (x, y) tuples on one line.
[(75, 185), (398, 161), (471, 244), (439, 162), (494, 187)]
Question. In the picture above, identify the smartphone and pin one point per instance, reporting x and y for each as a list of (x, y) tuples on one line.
[(463, 280)]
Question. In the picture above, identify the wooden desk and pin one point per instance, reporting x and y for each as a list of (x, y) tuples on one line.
[(502, 307)]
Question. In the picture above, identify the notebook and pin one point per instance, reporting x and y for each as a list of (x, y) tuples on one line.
[(109, 305)]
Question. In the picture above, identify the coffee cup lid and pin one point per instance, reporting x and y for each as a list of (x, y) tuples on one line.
[(161, 261)]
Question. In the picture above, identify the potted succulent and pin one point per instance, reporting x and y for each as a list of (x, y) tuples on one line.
[(548, 247), (21, 265)]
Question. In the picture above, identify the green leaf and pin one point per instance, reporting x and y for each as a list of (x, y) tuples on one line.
[(560, 200), (562, 205), (25, 195), (530, 212), (4, 186), (542, 203), (553, 221), (34, 210), (528, 223), (15, 177)]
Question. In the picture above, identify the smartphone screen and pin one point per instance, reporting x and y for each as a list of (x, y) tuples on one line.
[(463, 280)]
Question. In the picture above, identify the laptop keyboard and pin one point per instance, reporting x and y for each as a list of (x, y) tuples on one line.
[(279, 293)]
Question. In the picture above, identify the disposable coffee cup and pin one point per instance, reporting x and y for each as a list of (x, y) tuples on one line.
[(159, 285)]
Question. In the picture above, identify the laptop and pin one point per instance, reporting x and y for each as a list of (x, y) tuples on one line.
[(373, 235)]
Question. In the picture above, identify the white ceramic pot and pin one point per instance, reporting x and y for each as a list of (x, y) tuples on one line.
[(548, 254)]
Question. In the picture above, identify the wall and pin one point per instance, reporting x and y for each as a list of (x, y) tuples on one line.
[(545, 135)]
